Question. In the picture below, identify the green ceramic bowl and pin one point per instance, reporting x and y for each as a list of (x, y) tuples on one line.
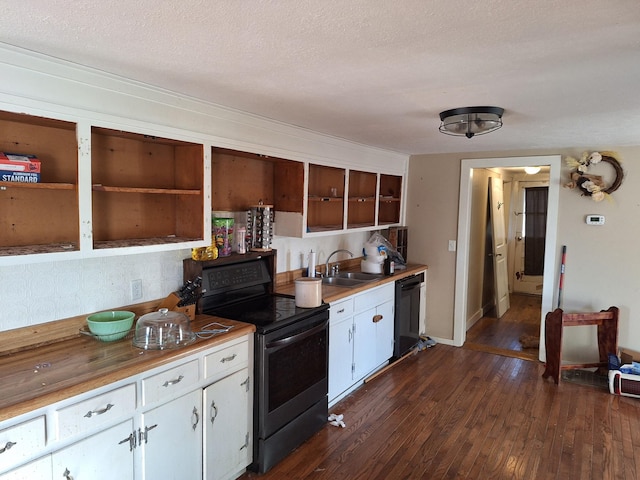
[(110, 326)]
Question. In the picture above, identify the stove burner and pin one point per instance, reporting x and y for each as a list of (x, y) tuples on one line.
[(266, 312)]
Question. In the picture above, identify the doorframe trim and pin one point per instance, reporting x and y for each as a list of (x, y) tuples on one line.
[(464, 220)]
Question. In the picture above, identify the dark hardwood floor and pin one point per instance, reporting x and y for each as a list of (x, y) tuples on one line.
[(502, 336), (457, 413)]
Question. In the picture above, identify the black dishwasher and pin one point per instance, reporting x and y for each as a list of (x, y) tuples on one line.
[(407, 316)]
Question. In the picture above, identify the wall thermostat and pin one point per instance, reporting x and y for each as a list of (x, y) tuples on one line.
[(595, 219)]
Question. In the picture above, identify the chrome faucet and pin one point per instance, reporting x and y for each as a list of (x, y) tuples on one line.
[(326, 266)]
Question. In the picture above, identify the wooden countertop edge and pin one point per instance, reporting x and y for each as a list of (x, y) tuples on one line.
[(332, 294), (116, 373)]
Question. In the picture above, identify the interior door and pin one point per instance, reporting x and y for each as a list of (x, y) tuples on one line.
[(501, 276)]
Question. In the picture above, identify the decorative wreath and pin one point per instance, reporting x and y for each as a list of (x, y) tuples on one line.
[(592, 185)]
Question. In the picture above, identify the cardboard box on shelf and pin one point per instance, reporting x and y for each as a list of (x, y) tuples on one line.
[(18, 167), (628, 356)]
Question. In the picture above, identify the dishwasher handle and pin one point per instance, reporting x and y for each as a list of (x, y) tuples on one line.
[(410, 282)]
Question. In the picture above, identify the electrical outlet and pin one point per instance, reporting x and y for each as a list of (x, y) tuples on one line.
[(452, 245), (136, 289)]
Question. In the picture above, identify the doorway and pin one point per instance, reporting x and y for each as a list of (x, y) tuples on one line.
[(461, 310)]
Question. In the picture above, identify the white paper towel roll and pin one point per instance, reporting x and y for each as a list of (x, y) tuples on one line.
[(311, 271)]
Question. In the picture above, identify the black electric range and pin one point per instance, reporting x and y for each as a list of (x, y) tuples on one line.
[(291, 355), (242, 291)]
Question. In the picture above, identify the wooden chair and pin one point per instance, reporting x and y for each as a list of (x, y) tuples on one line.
[(607, 322)]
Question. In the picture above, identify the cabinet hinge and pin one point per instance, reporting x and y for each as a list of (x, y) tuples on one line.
[(353, 367), (246, 383), (144, 435), (131, 439), (246, 441)]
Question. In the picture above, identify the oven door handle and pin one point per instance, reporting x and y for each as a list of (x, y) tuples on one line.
[(300, 336)]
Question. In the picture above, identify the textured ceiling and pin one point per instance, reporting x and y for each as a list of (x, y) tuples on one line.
[(376, 72)]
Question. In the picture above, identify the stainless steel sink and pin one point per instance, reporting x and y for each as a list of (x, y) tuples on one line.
[(350, 279), (342, 282), (367, 277)]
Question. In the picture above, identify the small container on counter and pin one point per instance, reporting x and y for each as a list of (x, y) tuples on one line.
[(389, 266), (241, 234), (223, 234), (308, 292)]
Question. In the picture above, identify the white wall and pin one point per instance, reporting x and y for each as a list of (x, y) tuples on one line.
[(37, 293), (601, 261), (42, 292)]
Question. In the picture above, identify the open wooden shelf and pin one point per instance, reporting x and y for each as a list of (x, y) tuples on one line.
[(160, 191), (43, 186), (141, 242), (40, 217), (38, 249), (146, 190)]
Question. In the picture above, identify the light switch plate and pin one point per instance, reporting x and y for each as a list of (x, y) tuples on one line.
[(452, 245)]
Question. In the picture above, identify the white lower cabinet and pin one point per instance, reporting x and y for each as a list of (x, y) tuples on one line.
[(170, 423), (170, 439), (19, 441), (103, 456), (341, 363), (360, 338), (36, 470), (227, 437)]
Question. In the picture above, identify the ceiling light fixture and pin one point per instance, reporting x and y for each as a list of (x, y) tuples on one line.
[(531, 170), (471, 121)]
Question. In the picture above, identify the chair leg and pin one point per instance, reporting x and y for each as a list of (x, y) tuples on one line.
[(553, 345)]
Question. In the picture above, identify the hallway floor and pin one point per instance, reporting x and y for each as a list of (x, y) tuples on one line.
[(502, 336)]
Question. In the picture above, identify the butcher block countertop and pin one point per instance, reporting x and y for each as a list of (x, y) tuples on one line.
[(39, 375), (331, 293)]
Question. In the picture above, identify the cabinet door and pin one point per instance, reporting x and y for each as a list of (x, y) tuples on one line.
[(364, 348), (38, 469), (171, 439), (340, 356), (101, 456), (227, 437), (384, 332)]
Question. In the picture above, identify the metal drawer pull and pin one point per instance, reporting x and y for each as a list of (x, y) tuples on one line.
[(197, 420), (67, 474), (168, 383), (92, 413), (340, 311), (377, 318), (7, 446), (229, 358), (214, 411), (246, 384)]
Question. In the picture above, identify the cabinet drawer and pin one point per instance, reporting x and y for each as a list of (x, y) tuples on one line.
[(172, 380), (101, 409), (376, 296), (21, 441), (226, 360), (340, 310)]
